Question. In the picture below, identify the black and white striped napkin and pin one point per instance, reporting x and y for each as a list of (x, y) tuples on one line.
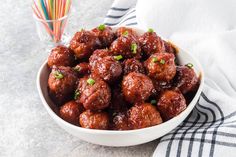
[(210, 130)]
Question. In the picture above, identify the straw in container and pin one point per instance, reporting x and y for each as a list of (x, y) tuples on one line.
[(51, 18)]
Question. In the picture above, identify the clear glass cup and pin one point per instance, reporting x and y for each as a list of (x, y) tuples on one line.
[(52, 32)]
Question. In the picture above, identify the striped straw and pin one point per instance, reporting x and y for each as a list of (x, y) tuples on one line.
[(50, 13)]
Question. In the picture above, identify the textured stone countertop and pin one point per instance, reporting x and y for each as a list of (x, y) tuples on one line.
[(26, 129)]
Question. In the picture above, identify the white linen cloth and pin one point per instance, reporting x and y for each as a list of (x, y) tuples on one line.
[(207, 29)]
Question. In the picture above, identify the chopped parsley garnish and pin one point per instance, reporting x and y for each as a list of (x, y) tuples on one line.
[(134, 48), (154, 59), (101, 27), (162, 61), (126, 33), (77, 68), (77, 93), (189, 65), (150, 30), (91, 81), (58, 75), (119, 57)]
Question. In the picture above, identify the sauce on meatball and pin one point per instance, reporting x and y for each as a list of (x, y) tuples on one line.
[(144, 115), (71, 111), (84, 43), (61, 83), (137, 87), (94, 120), (161, 66), (151, 43), (171, 103), (133, 65), (61, 56), (107, 69), (95, 94)]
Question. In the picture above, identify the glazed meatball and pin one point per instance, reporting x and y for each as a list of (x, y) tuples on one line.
[(71, 111), (186, 79), (161, 66), (95, 94), (161, 85), (151, 43), (105, 35), (126, 46), (120, 121), (82, 69), (97, 56), (171, 103), (61, 82), (133, 65), (61, 56), (84, 43), (170, 48), (144, 115), (125, 31), (137, 87), (107, 69), (118, 102), (94, 120)]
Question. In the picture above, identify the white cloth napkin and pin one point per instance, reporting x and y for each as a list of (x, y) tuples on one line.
[(207, 29)]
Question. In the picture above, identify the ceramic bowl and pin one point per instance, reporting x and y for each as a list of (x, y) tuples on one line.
[(120, 138)]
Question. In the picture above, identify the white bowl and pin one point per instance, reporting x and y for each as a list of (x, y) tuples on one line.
[(119, 138)]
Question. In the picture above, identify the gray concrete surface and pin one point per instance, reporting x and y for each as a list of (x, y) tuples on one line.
[(26, 130)]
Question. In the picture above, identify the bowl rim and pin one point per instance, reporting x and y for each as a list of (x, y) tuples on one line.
[(120, 132)]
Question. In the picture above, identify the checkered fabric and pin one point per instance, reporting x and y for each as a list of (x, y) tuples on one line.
[(210, 129)]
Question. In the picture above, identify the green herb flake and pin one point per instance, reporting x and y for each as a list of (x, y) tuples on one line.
[(77, 94), (119, 57), (77, 68), (91, 81), (154, 59), (101, 27), (150, 30), (58, 75), (134, 48), (153, 102), (126, 33), (189, 65), (162, 61)]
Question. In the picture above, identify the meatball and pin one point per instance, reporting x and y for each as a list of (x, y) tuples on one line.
[(137, 87), (118, 102), (171, 103), (120, 121), (61, 56), (151, 43), (82, 69), (161, 66), (84, 43), (95, 94), (71, 111), (133, 65), (161, 85), (186, 79), (94, 120), (105, 35), (144, 115), (125, 31), (97, 56), (107, 69), (61, 82), (126, 46), (170, 48)]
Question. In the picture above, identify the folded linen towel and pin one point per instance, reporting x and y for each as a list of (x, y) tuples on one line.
[(210, 130)]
